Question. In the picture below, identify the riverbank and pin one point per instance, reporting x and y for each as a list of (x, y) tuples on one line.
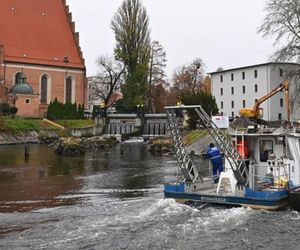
[(28, 137), (20, 130), (196, 142)]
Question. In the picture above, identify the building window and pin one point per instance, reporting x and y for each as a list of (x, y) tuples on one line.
[(232, 90), (68, 97), (27, 101), (279, 116), (221, 105), (44, 83), (221, 91), (265, 149), (244, 103), (255, 73), (221, 113), (281, 72), (243, 75), (232, 114), (232, 76), (281, 102), (255, 88), (244, 89), (232, 104), (221, 78)]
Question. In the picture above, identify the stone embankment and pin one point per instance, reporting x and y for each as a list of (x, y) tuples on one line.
[(29, 137), (71, 146), (165, 145)]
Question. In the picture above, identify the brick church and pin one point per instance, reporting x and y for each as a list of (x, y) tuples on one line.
[(40, 56)]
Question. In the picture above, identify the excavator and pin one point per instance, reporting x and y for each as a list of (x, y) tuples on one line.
[(257, 113)]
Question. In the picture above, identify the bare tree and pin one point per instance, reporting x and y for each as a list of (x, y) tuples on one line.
[(157, 75), (108, 80), (189, 78), (283, 22)]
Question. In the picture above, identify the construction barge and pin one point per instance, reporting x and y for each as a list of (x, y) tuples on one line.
[(266, 175)]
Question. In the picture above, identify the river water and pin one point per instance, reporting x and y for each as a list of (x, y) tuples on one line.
[(113, 199)]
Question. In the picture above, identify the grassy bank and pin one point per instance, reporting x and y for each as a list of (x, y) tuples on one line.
[(194, 135), (21, 125), (76, 123)]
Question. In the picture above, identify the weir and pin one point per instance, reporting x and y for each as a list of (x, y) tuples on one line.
[(148, 125)]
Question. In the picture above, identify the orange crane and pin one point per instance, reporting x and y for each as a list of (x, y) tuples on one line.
[(256, 112)]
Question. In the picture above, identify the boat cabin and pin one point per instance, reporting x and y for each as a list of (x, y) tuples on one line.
[(272, 157)]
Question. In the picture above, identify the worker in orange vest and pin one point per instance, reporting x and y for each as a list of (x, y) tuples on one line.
[(242, 149)]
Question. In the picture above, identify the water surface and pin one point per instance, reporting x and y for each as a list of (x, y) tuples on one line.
[(113, 199)]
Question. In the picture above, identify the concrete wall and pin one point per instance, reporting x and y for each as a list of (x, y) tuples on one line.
[(85, 132)]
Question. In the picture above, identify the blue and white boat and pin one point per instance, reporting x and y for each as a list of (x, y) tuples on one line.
[(261, 176)]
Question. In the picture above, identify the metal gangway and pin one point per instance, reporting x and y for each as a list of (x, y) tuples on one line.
[(186, 164), (235, 160)]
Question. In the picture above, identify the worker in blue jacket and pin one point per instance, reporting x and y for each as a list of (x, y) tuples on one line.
[(213, 153)]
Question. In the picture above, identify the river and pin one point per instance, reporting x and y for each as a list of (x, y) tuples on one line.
[(113, 199)]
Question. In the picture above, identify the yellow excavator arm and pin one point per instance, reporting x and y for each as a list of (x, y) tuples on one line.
[(257, 112)]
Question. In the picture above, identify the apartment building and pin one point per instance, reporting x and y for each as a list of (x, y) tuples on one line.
[(239, 88)]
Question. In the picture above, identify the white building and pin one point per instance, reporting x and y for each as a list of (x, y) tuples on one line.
[(239, 88)]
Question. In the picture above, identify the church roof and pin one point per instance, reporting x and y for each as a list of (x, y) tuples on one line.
[(39, 32)]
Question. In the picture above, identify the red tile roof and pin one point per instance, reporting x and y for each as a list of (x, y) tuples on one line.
[(39, 32)]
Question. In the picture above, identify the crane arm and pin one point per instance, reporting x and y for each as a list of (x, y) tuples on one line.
[(255, 111), (284, 85)]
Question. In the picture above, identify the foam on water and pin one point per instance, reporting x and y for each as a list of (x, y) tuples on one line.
[(166, 207), (225, 218)]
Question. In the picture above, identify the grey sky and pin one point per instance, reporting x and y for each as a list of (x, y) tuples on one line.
[(221, 32)]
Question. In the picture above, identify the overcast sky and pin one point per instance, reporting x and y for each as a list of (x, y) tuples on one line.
[(221, 32)]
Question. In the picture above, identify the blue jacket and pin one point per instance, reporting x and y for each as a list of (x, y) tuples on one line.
[(214, 155)]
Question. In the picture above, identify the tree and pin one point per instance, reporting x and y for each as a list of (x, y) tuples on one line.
[(283, 22), (130, 25), (159, 98), (108, 81), (206, 100), (157, 75), (189, 78)]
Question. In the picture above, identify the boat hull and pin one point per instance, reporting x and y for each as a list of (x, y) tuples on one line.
[(256, 200), (294, 199)]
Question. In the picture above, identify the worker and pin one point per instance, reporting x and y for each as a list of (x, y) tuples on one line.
[(214, 155), (242, 149)]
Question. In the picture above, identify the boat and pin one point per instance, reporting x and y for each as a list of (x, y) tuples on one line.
[(262, 166)]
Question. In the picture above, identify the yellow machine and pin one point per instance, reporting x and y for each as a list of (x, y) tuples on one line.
[(256, 112)]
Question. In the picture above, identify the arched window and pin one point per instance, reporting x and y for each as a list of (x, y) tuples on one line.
[(68, 92), (44, 88)]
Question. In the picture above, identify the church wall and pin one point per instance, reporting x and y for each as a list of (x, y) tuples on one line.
[(28, 105), (56, 79)]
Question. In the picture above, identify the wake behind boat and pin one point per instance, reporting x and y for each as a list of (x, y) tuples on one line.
[(262, 178)]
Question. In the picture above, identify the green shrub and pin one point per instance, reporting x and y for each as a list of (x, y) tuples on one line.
[(57, 110), (6, 110)]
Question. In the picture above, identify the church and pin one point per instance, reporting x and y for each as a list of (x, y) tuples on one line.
[(40, 56)]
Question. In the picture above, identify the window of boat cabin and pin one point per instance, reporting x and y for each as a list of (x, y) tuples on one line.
[(265, 149)]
